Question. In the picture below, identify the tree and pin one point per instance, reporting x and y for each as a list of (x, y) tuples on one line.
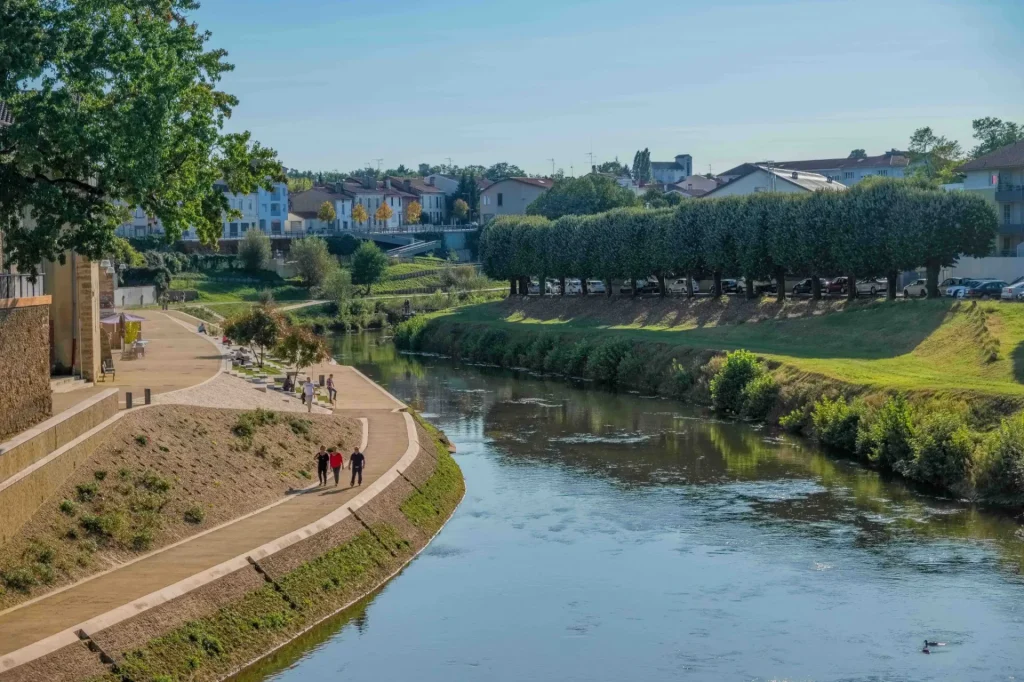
[(296, 185), (502, 170), (337, 286), (858, 154), (613, 167), (299, 347), (413, 213), (258, 328), (642, 166), (312, 260), (326, 213), (993, 133), (359, 215), (114, 105), (460, 209), (368, 265), (254, 251), (934, 157), (581, 196), (469, 191), (383, 213)]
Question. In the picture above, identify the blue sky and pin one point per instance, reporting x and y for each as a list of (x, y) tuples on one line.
[(333, 85)]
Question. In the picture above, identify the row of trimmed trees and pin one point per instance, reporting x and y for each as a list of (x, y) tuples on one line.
[(879, 229)]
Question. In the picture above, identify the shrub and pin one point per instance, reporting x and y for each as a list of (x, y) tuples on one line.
[(142, 539), (835, 424), (142, 439), (794, 421), (943, 450), (20, 579), (195, 515), (603, 363), (680, 379), (557, 359), (86, 491), (99, 474), (44, 572), (248, 422), (150, 480), (637, 370), (1002, 476), (759, 396), (577, 359), (727, 387), (892, 432), (68, 507), (538, 351), (300, 427)]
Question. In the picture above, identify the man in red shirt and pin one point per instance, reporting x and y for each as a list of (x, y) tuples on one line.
[(337, 461)]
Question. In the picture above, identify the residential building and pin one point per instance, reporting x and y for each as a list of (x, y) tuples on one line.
[(848, 171), (770, 179), (304, 207), (671, 172), (449, 184), (511, 196), (140, 225), (431, 198), (999, 176)]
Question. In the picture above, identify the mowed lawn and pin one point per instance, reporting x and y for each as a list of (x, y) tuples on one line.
[(211, 291), (913, 345)]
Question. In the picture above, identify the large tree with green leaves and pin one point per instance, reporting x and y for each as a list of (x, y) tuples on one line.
[(368, 265), (313, 260), (934, 157), (114, 105), (993, 133), (254, 250), (585, 195), (502, 170)]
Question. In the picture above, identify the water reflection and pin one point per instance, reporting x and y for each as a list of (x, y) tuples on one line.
[(615, 537)]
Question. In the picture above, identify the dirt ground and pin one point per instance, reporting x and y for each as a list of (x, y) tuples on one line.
[(165, 473)]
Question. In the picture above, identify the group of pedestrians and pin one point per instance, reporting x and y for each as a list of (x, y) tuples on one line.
[(309, 392), (336, 462)]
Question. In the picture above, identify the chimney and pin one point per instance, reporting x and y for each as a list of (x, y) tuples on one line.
[(795, 175), (430, 180), (387, 183), (369, 182), (408, 185)]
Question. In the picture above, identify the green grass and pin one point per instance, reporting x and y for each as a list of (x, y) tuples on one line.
[(235, 292), (907, 345)]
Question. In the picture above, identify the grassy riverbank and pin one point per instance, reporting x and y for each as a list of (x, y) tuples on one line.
[(296, 597), (926, 389)]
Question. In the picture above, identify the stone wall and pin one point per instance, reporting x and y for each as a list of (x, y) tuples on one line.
[(25, 397)]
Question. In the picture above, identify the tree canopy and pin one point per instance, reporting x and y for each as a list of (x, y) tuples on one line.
[(114, 105), (254, 250), (581, 196), (993, 133), (368, 265), (312, 260), (326, 213), (502, 170)]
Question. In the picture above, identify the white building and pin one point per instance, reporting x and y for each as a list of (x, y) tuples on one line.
[(764, 179), (849, 170), (430, 197), (671, 172), (999, 177)]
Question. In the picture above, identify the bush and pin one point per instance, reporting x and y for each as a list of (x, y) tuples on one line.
[(794, 421), (254, 252), (759, 396), (20, 579), (1002, 475), (680, 379), (408, 333), (727, 387), (142, 539), (195, 515), (86, 491), (577, 359), (248, 422), (99, 474), (68, 507), (835, 425), (892, 432), (153, 482), (603, 363), (943, 450)]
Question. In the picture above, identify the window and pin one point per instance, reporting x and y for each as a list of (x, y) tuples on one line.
[(275, 227), (1006, 213), (848, 175), (245, 227), (275, 209), (500, 199), (263, 224), (233, 230)]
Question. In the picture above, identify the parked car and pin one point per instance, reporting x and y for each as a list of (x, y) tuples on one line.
[(958, 290), (643, 286), (870, 287), (533, 289), (573, 287), (730, 286), (595, 286), (678, 286), (951, 282), (985, 290), (802, 287), (834, 286), (761, 286), (1014, 291), (552, 287), (918, 288)]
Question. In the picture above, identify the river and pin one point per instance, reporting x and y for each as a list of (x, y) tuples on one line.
[(616, 537)]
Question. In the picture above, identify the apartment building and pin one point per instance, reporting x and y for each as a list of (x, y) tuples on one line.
[(848, 171), (999, 176)]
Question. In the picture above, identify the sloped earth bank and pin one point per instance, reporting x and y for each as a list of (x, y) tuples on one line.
[(213, 632), (165, 473)]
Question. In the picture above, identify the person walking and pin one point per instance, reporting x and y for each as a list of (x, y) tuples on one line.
[(355, 462), (332, 393), (307, 394), (337, 462), (322, 460)]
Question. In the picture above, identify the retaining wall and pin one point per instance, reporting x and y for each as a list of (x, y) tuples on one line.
[(25, 397)]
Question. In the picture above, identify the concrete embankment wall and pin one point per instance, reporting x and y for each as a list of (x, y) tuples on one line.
[(24, 363), (37, 462), (211, 632)]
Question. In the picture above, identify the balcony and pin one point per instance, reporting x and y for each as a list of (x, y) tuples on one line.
[(20, 286), (1009, 193), (1011, 228)]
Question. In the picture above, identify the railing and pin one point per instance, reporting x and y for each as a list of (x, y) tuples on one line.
[(1011, 228), (17, 285), (1010, 193)]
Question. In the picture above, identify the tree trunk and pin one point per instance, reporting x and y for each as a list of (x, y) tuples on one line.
[(932, 275), (689, 286), (815, 287), (717, 276), (749, 290), (608, 288), (780, 284), (633, 288), (851, 287), (891, 277), (512, 286), (524, 286), (661, 286), (561, 283), (583, 286), (542, 286)]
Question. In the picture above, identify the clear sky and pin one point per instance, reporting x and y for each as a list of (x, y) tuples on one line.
[(334, 85)]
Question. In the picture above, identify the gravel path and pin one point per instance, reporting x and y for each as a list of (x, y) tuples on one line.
[(231, 392)]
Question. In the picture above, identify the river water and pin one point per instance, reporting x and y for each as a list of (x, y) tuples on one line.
[(616, 537)]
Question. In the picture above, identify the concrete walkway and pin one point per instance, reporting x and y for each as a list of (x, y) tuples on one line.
[(48, 615), (176, 358)]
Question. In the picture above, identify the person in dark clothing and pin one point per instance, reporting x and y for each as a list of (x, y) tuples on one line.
[(337, 461), (323, 458), (355, 462)]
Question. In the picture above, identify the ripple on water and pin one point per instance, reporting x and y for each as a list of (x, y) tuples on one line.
[(540, 402), (590, 438)]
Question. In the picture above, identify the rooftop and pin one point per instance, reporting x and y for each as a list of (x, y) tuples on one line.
[(1010, 156), (892, 158)]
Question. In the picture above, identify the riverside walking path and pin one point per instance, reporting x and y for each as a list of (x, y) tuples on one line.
[(51, 616)]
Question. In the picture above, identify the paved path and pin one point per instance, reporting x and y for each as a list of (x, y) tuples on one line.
[(175, 358), (50, 614)]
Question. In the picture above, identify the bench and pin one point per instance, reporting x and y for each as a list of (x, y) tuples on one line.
[(107, 367)]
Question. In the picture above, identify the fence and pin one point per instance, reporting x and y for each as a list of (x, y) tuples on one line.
[(17, 285)]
